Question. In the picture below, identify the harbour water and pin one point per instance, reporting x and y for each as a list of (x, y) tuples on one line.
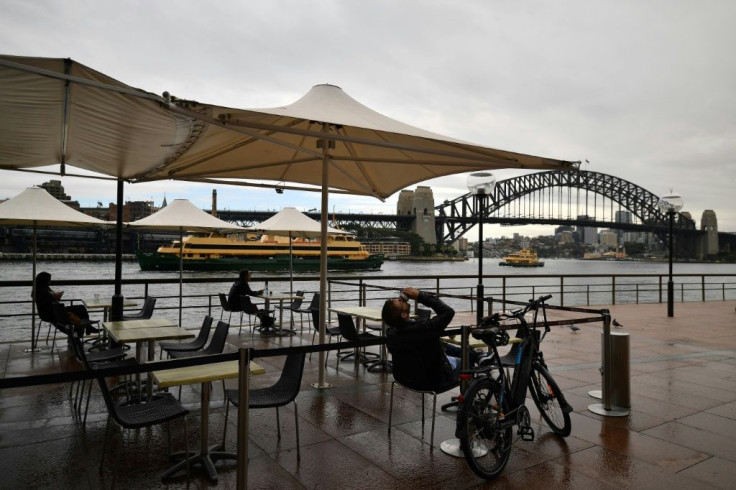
[(628, 289)]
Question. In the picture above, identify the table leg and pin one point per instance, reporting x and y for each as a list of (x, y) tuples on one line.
[(383, 364), (151, 356), (207, 454)]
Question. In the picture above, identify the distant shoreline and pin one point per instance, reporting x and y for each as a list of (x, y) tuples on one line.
[(410, 258), (23, 257)]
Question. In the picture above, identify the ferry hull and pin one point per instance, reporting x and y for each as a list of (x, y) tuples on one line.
[(169, 262), (516, 264)]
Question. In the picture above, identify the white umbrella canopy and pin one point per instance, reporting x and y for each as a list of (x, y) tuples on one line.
[(35, 206), (325, 139), (181, 215), (293, 223)]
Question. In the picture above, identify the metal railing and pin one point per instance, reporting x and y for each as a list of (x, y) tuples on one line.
[(200, 293)]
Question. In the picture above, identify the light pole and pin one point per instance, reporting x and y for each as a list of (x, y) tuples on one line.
[(480, 184), (670, 205)]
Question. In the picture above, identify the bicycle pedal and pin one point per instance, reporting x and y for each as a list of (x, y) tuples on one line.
[(526, 433)]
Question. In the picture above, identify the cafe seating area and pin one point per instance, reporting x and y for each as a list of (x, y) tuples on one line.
[(680, 432)]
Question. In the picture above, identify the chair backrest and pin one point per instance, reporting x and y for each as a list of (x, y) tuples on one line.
[(204, 332), (223, 301), (287, 387), (297, 303), (347, 327), (148, 305), (314, 305), (315, 318), (219, 338)]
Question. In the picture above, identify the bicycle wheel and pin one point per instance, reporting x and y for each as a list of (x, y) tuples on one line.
[(486, 445), (546, 395)]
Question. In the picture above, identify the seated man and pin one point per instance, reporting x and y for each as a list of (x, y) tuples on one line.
[(415, 345), (240, 287)]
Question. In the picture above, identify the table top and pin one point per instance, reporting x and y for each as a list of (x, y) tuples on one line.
[(202, 373), (277, 296), (456, 340), (155, 322), (367, 312), (149, 333), (105, 302)]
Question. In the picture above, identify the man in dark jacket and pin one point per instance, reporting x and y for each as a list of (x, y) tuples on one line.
[(240, 288), (423, 360)]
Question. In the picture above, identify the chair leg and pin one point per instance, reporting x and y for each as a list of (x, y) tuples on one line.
[(391, 406), (296, 423), (278, 424), (224, 431), (434, 414), (104, 443)]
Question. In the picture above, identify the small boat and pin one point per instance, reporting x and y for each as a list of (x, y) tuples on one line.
[(523, 258), (213, 252)]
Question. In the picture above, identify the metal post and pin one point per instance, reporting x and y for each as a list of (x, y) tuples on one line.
[(116, 311), (606, 408), (243, 404), (479, 200), (670, 284)]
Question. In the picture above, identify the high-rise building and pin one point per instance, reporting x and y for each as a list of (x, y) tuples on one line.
[(608, 238), (588, 234)]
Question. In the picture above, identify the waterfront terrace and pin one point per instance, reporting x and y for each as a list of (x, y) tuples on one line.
[(681, 432)]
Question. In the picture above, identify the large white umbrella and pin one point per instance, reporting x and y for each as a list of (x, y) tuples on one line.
[(325, 139), (36, 207), (293, 223), (181, 215)]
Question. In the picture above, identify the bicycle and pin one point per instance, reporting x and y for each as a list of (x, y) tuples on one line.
[(491, 405)]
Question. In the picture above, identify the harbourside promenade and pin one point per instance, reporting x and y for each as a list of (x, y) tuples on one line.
[(681, 432)]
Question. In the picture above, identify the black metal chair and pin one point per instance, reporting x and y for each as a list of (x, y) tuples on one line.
[(62, 323), (162, 408), (277, 395), (400, 368), (294, 307), (313, 305), (196, 344), (95, 360), (145, 312), (330, 331), (350, 333), (225, 305), (251, 309), (216, 345)]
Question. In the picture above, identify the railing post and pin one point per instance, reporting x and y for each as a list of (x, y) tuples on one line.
[(660, 289), (613, 290), (702, 287), (503, 287), (562, 291), (637, 293), (587, 295), (437, 285), (243, 404)]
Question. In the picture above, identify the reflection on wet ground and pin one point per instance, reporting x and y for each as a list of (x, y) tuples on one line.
[(681, 432)]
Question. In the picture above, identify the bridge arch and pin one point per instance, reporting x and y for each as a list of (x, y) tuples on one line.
[(458, 216)]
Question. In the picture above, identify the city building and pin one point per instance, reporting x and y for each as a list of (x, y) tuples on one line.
[(709, 224), (588, 234), (608, 238), (420, 204)]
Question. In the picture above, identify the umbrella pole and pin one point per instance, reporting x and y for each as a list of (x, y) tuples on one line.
[(323, 262), (291, 279), (34, 340), (181, 268)]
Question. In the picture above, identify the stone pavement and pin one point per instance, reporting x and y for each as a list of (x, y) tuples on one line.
[(681, 432)]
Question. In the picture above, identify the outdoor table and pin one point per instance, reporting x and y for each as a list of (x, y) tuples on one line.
[(363, 313), (472, 343), (145, 330), (104, 303), (203, 374), (280, 297)]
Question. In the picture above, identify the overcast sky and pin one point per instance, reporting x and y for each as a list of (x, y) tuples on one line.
[(644, 90)]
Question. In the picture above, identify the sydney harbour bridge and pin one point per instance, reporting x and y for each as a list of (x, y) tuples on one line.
[(575, 198)]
